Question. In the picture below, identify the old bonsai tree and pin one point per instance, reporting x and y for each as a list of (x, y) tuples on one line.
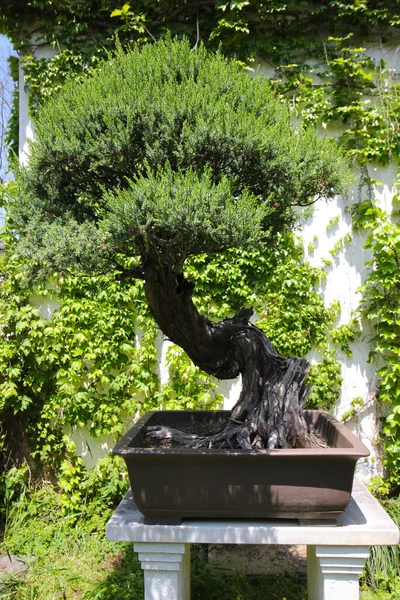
[(165, 153)]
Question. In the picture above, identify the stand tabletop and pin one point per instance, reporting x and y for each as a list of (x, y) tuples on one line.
[(364, 523)]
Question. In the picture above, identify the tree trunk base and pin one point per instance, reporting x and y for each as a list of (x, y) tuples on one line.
[(269, 412)]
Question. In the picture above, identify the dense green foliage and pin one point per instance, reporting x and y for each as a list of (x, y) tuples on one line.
[(317, 49), (381, 306), (164, 153), (84, 367)]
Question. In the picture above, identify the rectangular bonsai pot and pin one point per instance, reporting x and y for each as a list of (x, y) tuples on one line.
[(169, 484)]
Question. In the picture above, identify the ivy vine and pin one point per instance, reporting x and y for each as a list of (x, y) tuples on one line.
[(381, 307), (94, 362)]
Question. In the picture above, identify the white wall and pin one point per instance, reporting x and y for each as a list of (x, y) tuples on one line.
[(344, 276), (26, 127)]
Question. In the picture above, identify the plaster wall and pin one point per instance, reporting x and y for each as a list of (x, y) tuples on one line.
[(26, 126), (345, 273)]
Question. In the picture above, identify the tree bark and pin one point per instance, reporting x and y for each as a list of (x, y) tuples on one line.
[(268, 413)]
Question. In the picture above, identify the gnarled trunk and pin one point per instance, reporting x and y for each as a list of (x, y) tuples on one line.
[(268, 413)]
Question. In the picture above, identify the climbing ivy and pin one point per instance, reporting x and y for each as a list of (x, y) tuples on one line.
[(94, 362), (381, 307)]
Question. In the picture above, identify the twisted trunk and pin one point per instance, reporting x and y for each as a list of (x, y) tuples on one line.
[(268, 413)]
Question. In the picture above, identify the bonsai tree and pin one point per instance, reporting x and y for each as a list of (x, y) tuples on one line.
[(165, 153)]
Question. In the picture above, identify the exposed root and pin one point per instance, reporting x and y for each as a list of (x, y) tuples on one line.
[(235, 435), (161, 432), (233, 438)]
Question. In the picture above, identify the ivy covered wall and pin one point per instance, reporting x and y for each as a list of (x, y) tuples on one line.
[(94, 365)]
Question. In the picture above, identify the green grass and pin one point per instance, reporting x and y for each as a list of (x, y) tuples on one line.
[(382, 572), (70, 559), (377, 594)]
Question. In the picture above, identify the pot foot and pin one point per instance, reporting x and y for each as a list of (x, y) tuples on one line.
[(333, 522)]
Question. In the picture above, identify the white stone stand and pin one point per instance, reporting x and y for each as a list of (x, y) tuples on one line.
[(335, 554)]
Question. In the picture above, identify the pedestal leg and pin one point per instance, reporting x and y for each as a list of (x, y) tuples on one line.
[(333, 571), (166, 570)]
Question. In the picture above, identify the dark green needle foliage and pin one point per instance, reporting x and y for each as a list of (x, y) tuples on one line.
[(165, 152)]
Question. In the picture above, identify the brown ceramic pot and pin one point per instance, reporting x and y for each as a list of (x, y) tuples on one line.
[(305, 483)]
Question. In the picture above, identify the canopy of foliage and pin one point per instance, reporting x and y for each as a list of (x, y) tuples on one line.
[(165, 152), (302, 40), (318, 50)]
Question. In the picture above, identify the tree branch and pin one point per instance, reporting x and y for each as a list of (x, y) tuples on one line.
[(135, 273)]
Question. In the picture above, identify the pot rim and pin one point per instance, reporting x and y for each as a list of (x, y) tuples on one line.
[(356, 448)]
